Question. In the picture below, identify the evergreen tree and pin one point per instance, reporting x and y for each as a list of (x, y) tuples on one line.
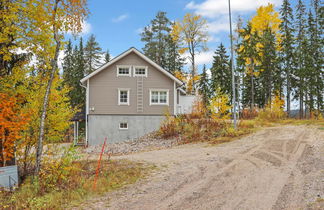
[(107, 56), (204, 88), (159, 45), (300, 54), (221, 75), (92, 54), (270, 76), (317, 36), (174, 61), (287, 47), (155, 37), (73, 72), (68, 64)]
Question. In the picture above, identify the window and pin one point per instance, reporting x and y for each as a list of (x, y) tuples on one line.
[(123, 126), (123, 96), (140, 71), (159, 97), (124, 71)]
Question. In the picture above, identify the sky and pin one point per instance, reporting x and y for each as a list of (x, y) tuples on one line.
[(117, 24)]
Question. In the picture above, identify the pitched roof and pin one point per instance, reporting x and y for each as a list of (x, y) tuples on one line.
[(130, 50)]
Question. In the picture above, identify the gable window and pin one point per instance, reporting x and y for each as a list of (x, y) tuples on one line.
[(159, 97), (124, 71), (123, 126), (123, 96), (140, 71)]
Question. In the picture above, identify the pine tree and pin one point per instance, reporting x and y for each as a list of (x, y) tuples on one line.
[(287, 47), (221, 75), (174, 61), (107, 56), (68, 63), (73, 72), (204, 88), (156, 37), (300, 53), (92, 54), (318, 49)]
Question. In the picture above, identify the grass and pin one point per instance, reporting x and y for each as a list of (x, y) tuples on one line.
[(77, 187)]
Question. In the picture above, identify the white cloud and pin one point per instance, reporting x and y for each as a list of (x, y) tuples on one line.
[(120, 18), (215, 8), (201, 58), (86, 27)]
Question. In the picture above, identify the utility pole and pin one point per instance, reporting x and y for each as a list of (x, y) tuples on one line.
[(232, 65)]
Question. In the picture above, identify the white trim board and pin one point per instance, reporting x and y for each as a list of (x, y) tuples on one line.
[(140, 55)]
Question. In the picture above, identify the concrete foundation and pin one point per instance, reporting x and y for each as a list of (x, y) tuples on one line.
[(101, 126)]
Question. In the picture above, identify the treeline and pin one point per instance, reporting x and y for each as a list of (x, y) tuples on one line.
[(277, 53), (78, 62)]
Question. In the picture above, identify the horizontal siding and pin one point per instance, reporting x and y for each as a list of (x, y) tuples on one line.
[(103, 89)]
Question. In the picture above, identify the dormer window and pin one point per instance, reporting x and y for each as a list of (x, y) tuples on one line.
[(140, 71), (123, 71)]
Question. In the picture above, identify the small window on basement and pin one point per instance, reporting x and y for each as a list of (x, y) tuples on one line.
[(140, 71), (123, 126), (123, 71)]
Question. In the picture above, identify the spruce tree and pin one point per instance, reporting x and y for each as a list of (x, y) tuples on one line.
[(287, 47), (68, 64), (174, 61), (221, 75), (107, 56), (92, 54), (204, 88), (300, 53), (159, 45), (318, 50), (73, 72)]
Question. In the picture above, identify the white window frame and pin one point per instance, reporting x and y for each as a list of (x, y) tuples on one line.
[(140, 75), (120, 128), (158, 103), (128, 96), (124, 75)]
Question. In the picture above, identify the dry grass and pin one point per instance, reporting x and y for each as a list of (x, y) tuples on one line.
[(77, 187)]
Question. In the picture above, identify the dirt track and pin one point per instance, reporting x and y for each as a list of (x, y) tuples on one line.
[(276, 168)]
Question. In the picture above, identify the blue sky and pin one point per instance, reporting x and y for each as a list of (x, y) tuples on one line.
[(117, 24)]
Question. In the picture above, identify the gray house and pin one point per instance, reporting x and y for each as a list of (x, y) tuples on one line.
[(128, 97)]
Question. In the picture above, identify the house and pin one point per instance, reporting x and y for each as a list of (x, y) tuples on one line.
[(128, 97)]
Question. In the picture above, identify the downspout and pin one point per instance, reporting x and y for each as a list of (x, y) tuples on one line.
[(86, 111)]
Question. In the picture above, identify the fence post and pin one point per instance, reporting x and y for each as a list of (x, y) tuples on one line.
[(98, 166)]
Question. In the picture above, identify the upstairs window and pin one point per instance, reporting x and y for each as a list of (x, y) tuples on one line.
[(140, 71), (123, 96), (124, 71), (159, 97)]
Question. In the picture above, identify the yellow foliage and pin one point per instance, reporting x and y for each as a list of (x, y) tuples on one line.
[(273, 110), (192, 29), (219, 106)]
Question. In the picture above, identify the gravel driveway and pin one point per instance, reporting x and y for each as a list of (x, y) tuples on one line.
[(276, 168)]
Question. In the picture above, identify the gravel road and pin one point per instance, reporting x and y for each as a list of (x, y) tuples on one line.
[(276, 168)]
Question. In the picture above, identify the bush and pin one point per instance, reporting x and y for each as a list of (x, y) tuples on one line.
[(273, 111)]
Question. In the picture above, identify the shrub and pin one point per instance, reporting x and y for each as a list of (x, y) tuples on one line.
[(219, 106), (247, 113), (273, 111)]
